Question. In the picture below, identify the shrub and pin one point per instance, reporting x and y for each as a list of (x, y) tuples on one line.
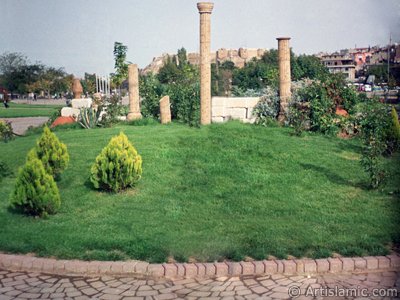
[(374, 121), (35, 191), (266, 110), (393, 133), (51, 152), (112, 108), (5, 170), (118, 166), (6, 132), (89, 117)]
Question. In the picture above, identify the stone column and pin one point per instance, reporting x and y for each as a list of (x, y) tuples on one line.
[(165, 110), (134, 100), (77, 89), (205, 9), (284, 77)]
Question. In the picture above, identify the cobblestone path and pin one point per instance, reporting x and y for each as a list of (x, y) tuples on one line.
[(20, 285)]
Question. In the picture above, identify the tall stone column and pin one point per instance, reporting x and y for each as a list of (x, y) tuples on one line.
[(205, 9), (284, 77), (134, 100)]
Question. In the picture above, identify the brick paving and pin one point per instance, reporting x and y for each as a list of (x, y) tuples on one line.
[(23, 285)]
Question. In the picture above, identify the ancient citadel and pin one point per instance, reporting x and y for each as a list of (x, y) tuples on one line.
[(238, 56)]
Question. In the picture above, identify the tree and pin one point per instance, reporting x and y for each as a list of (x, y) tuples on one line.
[(121, 65), (12, 61)]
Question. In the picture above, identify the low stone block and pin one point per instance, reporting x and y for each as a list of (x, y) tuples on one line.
[(104, 267), (310, 266), (289, 267), (156, 270), (394, 261), (360, 263), (280, 268), (93, 267), (117, 267), (235, 268), (27, 263), (271, 267), (190, 270), (59, 266), (221, 269), (218, 101), (210, 269), (171, 270), (141, 267), (129, 267), (16, 262), (48, 265), (322, 265), (372, 262), (180, 270), (247, 268), (383, 262), (335, 265), (76, 267), (347, 264), (259, 267), (201, 269), (241, 101), (299, 266), (81, 103), (37, 264), (237, 113), (218, 111), (70, 112), (217, 119)]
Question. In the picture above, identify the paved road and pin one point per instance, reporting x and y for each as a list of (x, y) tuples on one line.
[(19, 285), (20, 125)]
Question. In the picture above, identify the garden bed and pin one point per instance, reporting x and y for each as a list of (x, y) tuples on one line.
[(226, 191)]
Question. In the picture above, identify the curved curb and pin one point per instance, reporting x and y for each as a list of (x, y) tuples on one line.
[(200, 270)]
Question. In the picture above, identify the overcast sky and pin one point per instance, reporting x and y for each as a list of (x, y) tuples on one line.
[(79, 35)]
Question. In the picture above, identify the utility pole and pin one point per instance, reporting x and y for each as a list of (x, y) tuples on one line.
[(388, 58)]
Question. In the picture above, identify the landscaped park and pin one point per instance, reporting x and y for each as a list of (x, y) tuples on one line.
[(315, 173)]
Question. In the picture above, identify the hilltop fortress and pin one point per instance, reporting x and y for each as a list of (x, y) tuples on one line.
[(239, 57)]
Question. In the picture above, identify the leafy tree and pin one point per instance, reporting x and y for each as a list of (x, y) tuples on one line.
[(121, 65), (169, 72), (12, 61), (89, 83)]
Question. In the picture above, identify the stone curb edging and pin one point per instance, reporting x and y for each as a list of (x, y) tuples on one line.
[(199, 270)]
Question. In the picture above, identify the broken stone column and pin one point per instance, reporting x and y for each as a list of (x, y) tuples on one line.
[(165, 110), (205, 9), (134, 100), (77, 89), (284, 77)]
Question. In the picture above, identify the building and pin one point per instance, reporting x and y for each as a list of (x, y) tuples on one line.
[(238, 56), (340, 63)]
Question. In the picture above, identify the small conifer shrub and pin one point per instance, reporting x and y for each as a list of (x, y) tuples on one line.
[(51, 152), (35, 191), (118, 166)]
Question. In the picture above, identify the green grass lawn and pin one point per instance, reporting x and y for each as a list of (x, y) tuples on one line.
[(219, 192), (17, 110)]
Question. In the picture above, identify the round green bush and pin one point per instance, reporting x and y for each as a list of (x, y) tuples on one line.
[(51, 152), (35, 191), (118, 166)]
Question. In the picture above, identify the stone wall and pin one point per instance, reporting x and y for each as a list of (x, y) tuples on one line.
[(237, 108), (238, 56)]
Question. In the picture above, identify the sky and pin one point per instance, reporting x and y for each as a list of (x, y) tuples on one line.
[(79, 35)]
